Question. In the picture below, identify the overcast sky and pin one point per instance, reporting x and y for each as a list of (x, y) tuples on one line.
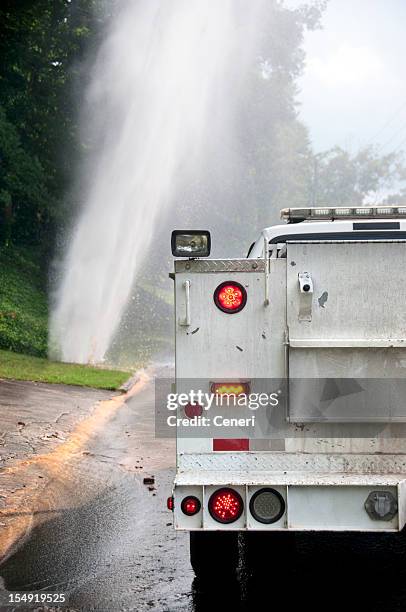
[(354, 88)]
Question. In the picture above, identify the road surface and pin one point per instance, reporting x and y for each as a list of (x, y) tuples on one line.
[(106, 541), (37, 422)]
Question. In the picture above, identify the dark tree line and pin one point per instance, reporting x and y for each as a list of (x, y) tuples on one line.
[(45, 53), (43, 47)]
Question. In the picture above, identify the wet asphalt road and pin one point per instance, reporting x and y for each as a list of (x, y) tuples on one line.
[(114, 547), (115, 550)]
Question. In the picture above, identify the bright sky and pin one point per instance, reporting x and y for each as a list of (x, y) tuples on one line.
[(354, 88)]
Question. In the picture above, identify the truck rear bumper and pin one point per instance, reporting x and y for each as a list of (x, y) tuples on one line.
[(328, 499)]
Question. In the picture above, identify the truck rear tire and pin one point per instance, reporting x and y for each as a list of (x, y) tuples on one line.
[(214, 554)]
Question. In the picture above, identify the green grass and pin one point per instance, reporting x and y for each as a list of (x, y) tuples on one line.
[(24, 328), (23, 302), (27, 367)]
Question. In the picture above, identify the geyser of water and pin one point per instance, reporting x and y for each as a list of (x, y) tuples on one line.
[(160, 84)]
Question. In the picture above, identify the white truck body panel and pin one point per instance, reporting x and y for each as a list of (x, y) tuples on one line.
[(324, 469)]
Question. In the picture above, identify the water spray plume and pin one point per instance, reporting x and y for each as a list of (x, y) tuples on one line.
[(159, 85)]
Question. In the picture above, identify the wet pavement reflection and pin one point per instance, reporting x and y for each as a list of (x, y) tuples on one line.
[(115, 548)]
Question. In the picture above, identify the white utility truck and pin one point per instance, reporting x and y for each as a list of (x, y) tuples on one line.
[(314, 319)]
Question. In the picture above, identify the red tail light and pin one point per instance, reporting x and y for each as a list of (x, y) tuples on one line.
[(193, 410), (169, 503), (190, 505), (226, 505), (230, 297)]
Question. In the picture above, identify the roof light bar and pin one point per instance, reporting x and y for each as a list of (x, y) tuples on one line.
[(294, 215), (343, 212)]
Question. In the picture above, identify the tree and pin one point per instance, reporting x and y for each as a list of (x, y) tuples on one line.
[(341, 179), (256, 154), (23, 195), (42, 48)]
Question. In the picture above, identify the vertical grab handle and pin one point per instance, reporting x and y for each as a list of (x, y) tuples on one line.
[(186, 321), (266, 271)]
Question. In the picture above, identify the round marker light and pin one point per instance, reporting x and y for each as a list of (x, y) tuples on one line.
[(190, 505), (230, 297), (193, 410), (267, 506), (226, 505)]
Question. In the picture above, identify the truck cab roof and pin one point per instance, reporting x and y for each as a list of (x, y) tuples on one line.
[(376, 228)]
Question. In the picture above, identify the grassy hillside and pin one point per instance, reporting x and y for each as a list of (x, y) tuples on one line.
[(23, 328), (23, 303)]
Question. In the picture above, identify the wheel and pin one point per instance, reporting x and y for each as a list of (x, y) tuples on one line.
[(214, 554)]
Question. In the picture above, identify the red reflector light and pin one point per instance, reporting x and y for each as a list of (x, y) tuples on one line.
[(230, 297), (226, 505), (230, 388), (169, 503), (193, 410), (231, 444), (190, 505)]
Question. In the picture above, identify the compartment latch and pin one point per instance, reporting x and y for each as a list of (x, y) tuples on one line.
[(306, 296)]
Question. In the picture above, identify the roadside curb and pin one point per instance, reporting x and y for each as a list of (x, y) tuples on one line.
[(129, 384)]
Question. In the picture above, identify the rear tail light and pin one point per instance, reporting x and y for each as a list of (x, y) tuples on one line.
[(267, 506), (225, 505), (230, 388), (193, 410), (190, 505), (230, 297), (169, 503)]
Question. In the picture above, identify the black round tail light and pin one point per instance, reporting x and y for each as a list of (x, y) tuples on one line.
[(267, 506)]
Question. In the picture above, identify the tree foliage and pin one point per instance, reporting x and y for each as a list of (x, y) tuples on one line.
[(42, 48), (44, 66), (23, 192), (342, 179)]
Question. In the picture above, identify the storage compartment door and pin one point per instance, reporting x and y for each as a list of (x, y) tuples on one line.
[(346, 318)]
